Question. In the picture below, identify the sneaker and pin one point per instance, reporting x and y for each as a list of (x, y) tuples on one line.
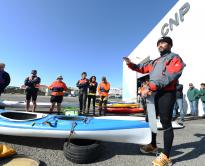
[(162, 160), (148, 149), (181, 122)]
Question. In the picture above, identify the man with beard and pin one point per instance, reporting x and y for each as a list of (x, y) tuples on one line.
[(164, 73)]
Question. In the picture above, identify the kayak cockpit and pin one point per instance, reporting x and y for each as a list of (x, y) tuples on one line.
[(21, 116), (72, 118)]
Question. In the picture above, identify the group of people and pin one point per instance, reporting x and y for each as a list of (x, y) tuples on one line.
[(88, 89), (194, 95)]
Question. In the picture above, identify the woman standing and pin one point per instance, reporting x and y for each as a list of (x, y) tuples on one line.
[(92, 93)]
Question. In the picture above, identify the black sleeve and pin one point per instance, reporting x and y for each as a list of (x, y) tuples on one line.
[(27, 82), (87, 83), (96, 85), (89, 86), (7, 79), (78, 85)]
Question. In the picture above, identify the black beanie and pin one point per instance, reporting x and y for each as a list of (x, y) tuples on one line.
[(165, 39)]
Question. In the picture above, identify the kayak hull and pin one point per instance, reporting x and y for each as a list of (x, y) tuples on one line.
[(22, 104), (137, 136), (54, 126), (175, 125)]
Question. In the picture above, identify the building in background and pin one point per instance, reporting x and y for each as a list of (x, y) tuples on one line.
[(184, 23)]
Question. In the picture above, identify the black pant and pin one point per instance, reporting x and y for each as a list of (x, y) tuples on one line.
[(89, 100), (82, 101), (103, 105), (164, 104), (144, 104), (31, 95)]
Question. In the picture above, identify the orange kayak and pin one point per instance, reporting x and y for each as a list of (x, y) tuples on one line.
[(124, 110)]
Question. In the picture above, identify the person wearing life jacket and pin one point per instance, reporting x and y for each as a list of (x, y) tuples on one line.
[(83, 85), (143, 95), (164, 73), (32, 84), (92, 93), (4, 78), (58, 87), (103, 90)]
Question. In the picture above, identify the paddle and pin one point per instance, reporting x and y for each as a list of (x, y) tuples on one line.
[(151, 113)]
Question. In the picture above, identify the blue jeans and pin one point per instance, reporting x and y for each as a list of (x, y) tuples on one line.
[(179, 102), (203, 104), (194, 107)]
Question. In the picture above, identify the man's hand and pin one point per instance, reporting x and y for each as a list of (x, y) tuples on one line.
[(127, 60), (30, 78), (146, 93)]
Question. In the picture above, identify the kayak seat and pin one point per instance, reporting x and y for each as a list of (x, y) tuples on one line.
[(18, 115), (71, 118)]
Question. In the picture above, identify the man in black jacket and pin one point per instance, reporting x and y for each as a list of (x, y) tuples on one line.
[(32, 84), (4, 78), (164, 73), (179, 102), (83, 85)]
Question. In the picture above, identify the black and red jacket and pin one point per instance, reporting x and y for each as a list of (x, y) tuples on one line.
[(164, 71), (83, 85)]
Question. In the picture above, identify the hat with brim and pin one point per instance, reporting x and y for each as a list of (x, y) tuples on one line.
[(59, 77)]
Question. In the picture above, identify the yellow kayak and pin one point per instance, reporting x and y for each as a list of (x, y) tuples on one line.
[(123, 105)]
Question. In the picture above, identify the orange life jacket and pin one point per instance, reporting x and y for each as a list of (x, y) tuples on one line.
[(103, 89), (143, 91), (57, 88)]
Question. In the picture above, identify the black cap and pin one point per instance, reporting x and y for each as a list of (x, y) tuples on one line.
[(84, 73), (34, 72), (165, 39)]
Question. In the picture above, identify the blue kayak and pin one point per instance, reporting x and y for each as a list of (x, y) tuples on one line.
[(57, 126)]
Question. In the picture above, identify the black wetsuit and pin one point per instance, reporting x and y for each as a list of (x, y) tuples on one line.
[(83, 92)]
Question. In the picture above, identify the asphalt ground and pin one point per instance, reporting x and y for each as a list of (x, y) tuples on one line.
[(188, 146)]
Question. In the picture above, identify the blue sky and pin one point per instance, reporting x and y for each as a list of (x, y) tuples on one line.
[(68, 37)]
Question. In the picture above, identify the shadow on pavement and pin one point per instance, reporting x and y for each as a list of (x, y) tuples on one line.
[(198, 148), (45, 143), (110, 149)]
